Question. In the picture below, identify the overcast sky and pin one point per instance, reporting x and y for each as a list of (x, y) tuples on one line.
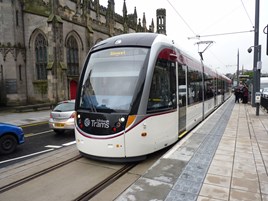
[(188, 18)]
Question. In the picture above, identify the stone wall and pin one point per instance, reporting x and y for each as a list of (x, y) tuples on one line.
[(23, 20)]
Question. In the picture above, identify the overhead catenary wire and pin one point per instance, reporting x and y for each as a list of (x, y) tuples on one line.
[(182, 18), (247, 13), (198, 37), (189, 27), (223, 17), (219, 60), (219, 34)]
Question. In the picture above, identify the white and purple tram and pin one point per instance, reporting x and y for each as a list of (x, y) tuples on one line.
[(139, 93)]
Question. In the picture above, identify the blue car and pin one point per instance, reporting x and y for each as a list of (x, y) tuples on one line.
[(10, 137)]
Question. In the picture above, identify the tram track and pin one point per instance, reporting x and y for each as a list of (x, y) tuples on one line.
[(76, 178), (38, 174), (84, 196), (104, 183)]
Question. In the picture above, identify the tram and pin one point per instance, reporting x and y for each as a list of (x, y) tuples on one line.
[(139, 93)]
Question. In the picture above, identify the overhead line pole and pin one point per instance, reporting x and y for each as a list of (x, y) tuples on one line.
[(237, 69), (256, 75)]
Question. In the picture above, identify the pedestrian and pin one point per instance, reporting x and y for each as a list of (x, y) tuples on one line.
[(245, 94), (237, 95)]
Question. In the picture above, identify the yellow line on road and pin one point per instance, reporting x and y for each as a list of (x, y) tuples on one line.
[(34, 134), (34, 124), (28, 134)]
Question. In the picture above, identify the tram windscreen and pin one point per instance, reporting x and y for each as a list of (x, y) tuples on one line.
[(110, 79)]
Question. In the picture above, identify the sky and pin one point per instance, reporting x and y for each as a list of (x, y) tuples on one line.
[(229, 24)]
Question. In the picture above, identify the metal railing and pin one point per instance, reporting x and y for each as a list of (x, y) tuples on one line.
[(264, 102)]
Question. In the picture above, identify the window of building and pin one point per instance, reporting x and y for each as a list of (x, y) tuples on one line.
[(41, 57), (1, 71), (17, 17), (72, 57), (20, 72)]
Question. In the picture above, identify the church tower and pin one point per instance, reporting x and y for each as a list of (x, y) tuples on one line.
[(161, 21)]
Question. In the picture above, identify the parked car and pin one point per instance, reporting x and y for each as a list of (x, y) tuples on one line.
[(10, 137), (62, 116), (264, 92)]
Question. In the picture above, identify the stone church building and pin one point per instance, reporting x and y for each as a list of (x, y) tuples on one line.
[(43, 44)]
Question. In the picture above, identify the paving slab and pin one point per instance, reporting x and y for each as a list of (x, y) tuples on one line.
[(224, 158)]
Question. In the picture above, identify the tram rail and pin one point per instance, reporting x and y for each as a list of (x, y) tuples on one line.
[(104, 183), (38, 174), (84, 196)]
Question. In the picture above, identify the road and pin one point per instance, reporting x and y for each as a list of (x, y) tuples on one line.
[(76, 177), (39, 138)]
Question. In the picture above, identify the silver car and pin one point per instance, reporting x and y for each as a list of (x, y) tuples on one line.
[(62, 116)]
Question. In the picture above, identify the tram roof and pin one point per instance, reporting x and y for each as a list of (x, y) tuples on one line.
[(146, 40), (130, 39)]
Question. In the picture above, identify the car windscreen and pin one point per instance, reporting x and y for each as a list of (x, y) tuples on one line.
[(64, 107)]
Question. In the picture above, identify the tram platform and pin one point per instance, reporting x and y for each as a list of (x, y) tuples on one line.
[(224, 158)]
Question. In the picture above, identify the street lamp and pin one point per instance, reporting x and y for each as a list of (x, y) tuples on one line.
[(256, 76)]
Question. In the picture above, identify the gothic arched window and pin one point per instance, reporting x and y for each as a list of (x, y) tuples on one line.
[(72, 57), (41, 57)]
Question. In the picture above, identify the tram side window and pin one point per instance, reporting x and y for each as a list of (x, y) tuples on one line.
[(220, 87), (209, 88), (182, 88), (194, 82), (163, 87)]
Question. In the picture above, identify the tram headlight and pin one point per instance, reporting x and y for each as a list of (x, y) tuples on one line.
[(122, 119)]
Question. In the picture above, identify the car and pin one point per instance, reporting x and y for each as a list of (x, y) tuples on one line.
[(264, 92), (62, 116), (10, 136)]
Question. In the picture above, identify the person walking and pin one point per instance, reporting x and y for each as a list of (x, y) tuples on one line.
[(237, 95), (245, 94)]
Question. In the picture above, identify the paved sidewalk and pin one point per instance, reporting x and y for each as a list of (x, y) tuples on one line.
[(24, 118), (238, 170), (223, 159)]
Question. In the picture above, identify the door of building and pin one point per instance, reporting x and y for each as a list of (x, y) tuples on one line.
[(73, 87)]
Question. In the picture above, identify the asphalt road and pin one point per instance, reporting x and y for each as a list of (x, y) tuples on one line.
[(39, 138)]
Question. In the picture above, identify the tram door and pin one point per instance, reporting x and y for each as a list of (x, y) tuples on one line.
[(183, 95)]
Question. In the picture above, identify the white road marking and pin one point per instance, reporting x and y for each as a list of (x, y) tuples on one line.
[(69, 143), (53, 146), (34, 134), (26, 156)]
